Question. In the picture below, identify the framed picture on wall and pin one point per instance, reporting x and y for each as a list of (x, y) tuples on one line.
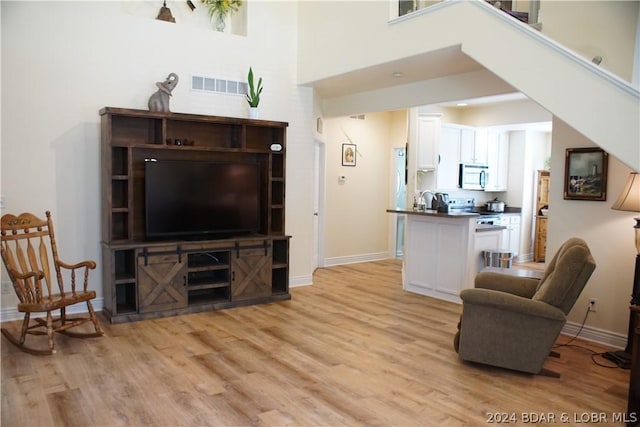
[(349, 154), (585, 174)]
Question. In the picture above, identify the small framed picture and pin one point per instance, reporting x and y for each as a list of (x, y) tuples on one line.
[(349, 154), (585, 174)]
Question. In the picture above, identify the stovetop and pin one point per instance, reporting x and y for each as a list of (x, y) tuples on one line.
[(468, 205), (462, 205)]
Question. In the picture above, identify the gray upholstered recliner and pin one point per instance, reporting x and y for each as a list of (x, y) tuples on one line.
[(513, 322)]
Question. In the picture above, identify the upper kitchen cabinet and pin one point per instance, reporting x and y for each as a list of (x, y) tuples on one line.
[(473, 146), (428, 138), (449, 147), (497, 143)]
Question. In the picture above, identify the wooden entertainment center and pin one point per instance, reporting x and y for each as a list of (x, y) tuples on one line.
[(145, 278)]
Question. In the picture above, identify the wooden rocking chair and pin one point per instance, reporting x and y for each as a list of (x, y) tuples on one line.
[(27, 242)]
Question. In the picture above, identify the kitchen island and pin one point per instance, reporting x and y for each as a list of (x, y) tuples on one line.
[(444, 251)]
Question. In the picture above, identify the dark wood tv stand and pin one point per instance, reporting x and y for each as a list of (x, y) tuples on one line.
[(145, 278)]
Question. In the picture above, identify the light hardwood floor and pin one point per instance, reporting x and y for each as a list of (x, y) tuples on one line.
[(353, 349)]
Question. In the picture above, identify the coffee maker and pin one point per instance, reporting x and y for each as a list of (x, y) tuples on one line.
[(440, 202)]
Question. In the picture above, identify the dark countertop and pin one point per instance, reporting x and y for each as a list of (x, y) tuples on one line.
[(430, 212), (465, 215), (479, 211), (507, 210)]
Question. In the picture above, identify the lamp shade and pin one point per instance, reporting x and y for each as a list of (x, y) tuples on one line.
[(629, 199)]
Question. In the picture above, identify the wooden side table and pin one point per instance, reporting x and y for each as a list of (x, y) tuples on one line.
[(633, 408)]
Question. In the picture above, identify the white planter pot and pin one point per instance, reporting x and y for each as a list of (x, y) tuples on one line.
[(253, 112)]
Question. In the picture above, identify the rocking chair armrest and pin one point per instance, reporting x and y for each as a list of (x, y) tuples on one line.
[(39, 275), (88, 264)]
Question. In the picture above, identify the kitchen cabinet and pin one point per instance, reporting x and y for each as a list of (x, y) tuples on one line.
[(473, 146), (464, 144), (497, 160), (439, 256), (428, 139), (447, 175), (542, 201), (488, 240), (511, 236), (540, 243)]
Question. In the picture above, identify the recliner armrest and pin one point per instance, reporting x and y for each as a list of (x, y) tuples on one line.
[(515, 285), (511, 303)]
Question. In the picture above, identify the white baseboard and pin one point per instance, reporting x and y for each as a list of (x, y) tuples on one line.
[(353, 259), (588, 333), (524, 258), (599, 336), (294, 282), (9, 314)]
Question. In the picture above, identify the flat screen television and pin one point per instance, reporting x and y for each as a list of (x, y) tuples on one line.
[(201, 199)]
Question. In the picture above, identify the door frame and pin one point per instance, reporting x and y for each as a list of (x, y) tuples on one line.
[(319, 203)]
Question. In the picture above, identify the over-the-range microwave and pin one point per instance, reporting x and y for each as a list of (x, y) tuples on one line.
[(472, 176)]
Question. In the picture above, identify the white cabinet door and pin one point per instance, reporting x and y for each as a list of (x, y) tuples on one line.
[(450, 275), (420, 253), (436, 257), (514, 234), (428, 139), (447, 177), (498, 160), (473, 147), (511, 236), (490, 240)]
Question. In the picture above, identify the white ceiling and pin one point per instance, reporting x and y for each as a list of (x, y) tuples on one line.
[(417, 68), (426, 66)]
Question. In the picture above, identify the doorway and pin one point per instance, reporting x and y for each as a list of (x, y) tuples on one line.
[(319, 153)]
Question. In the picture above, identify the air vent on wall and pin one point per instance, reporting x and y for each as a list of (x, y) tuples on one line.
[(212, 84), (358, 117)]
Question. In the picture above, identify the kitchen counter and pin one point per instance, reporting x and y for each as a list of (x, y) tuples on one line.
[(461, 215), (479, 211), (433, 212), (444, 250)]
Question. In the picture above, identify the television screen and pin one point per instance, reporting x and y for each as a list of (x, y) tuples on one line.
[(199, 199)]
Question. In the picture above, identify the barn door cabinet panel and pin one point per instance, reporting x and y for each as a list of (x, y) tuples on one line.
[(143, 278), (162, 280), (251, 271)]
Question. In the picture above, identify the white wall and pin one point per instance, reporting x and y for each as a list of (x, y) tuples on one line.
[(63, 61), (608, 233), (593, 23), (356, 219)]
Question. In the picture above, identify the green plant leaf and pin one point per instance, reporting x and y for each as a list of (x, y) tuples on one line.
[(253, 97)]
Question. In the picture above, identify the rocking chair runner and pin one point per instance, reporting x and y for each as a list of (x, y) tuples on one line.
[(27, 242)]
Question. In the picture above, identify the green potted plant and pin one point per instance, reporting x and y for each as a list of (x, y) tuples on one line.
[(219, 9), (253, 96)]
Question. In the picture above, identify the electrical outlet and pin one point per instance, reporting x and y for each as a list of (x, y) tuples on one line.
[(592, 304)]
